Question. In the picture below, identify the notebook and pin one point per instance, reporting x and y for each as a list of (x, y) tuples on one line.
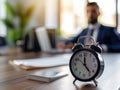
[(46, 75), (46, 62)]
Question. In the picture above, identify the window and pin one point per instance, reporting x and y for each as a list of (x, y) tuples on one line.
[(73, 18), (3, 28), (108, 11), (119, 16)]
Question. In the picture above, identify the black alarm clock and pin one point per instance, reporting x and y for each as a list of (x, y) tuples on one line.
[(86, 63)]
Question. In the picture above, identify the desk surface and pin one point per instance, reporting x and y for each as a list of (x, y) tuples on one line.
[(14, 78)]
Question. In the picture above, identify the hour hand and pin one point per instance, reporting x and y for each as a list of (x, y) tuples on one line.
[(84, 60)]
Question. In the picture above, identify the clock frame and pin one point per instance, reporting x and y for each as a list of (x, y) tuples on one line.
[(100, 63)]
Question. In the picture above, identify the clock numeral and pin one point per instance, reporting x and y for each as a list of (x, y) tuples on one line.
[(95, 65), (79, 73), (76, 59), (90, 55), (85, 54), (89, 74), (75, 69), (74, 63), (93, 59), (83, 75), (93, 71), (80, 55)]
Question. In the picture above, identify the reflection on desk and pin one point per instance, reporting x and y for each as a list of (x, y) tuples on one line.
[(14, 78), (87, 87)]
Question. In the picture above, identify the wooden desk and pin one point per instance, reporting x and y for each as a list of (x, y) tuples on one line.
[(13, 78)]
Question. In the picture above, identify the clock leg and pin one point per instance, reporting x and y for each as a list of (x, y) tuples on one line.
[(74, 81), (95, 82)]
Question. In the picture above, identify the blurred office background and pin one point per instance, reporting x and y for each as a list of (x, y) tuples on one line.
[(65, 17)]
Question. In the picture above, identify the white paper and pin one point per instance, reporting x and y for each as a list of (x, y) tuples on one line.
[(45, 62)]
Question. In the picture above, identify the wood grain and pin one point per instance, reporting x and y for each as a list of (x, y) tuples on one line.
[(14, 78)]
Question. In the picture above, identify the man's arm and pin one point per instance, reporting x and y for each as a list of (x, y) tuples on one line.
[(68, 44), (115, 41), (75, 39)]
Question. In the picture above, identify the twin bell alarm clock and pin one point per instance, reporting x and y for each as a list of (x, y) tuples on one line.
[(86, 63)]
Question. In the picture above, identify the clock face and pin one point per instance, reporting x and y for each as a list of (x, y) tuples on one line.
[(84, 65)]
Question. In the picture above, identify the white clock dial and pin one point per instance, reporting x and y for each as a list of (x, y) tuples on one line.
[(84, 64)]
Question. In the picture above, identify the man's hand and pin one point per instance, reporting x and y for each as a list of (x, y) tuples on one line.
[(62, 46)]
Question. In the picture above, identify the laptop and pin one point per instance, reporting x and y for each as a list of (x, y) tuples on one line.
[(44, 42)]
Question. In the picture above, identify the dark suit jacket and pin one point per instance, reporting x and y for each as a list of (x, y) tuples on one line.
[(106, 35)]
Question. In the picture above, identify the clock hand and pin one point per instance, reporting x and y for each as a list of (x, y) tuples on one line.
[(85, 66), (84, 60), (81, 62)]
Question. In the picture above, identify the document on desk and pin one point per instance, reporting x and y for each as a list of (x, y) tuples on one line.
[(28, 64), (46, 75)]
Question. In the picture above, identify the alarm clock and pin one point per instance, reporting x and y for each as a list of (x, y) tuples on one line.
[(86, 63)]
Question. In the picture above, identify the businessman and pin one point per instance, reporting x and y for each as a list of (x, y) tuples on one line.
[(107, 37)]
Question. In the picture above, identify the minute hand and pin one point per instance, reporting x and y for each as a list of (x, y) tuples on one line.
[(87, 68), (85, 64), (84, 60)]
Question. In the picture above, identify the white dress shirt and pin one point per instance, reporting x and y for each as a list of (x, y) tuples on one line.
[(96, 28)]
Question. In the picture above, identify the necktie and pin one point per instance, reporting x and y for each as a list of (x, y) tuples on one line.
[(91, 32)]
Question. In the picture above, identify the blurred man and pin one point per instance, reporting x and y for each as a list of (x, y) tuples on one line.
[(107, 36)]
